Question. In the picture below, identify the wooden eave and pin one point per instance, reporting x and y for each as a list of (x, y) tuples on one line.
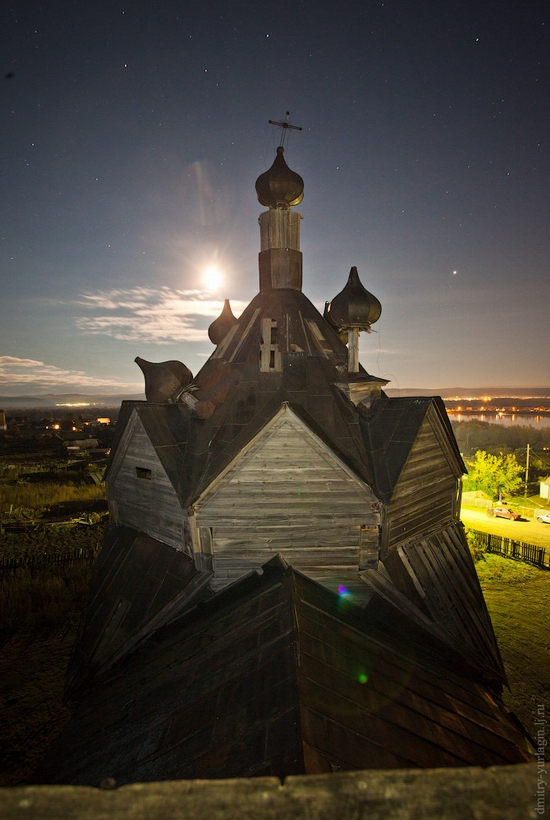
[(443, 430), (235, 398), (169, 428), (125, 412)]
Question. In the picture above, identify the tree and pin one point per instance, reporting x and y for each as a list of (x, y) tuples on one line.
[(494, 474)]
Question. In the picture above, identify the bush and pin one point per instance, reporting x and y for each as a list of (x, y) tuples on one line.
[(476, 548)]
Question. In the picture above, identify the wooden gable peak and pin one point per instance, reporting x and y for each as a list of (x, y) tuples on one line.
[(284, 415), (287, 492)]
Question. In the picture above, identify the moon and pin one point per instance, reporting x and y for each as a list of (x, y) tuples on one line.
[(212, 278)]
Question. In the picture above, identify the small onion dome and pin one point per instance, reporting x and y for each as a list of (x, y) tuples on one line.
[(221, 326), (163, 379), (327, 316), (280, 187), (343, 334), (354, 306)]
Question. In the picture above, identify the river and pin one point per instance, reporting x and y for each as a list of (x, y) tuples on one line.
[(509, 420)]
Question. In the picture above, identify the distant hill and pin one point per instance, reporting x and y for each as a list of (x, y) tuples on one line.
[(472, 392), (113, 400), (67, 399)]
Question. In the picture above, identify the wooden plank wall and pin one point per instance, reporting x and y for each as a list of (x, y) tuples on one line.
[(147, 504), (288, 495), (426, 496)]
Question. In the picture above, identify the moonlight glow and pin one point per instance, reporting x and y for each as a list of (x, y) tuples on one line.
[(212, 278)]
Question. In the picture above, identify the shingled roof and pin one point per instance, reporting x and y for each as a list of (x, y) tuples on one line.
[(276, 675), (138, 584), (390, 428)]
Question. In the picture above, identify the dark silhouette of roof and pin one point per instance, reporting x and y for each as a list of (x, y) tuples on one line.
[(276, 675), (280, 187)]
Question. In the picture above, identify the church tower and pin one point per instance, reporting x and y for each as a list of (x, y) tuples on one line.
[(285, 586)]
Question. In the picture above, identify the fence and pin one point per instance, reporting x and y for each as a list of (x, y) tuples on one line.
[(509, 547), (38, 561)]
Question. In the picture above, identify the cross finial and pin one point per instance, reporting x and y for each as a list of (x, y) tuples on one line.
[(285, 126)]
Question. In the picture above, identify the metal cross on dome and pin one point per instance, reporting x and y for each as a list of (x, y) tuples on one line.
[(285, 127)]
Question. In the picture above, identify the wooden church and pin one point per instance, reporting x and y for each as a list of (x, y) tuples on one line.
[(285, 586)]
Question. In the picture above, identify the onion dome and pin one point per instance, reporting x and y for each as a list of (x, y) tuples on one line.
[(280, 187), (163, 379), (354, 306), (221, 326), (343, 334)]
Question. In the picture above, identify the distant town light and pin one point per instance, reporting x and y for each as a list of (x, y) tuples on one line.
[(79, 404)]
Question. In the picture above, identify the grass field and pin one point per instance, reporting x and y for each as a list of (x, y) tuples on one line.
[(47, 495), (518, 599), (32, 714), (39, 615), (52, 539)]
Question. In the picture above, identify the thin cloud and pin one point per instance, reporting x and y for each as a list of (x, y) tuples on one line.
[(159, 315), (15, 372)]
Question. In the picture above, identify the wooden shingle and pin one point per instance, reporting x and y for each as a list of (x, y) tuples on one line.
[(277, 675)]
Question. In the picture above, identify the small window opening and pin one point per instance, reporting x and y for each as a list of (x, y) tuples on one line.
[(143, 472), (270, 356)]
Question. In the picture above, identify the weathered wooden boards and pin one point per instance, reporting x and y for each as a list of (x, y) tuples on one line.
[(425, 494), (141, 495), (277, 675), (287, 493)]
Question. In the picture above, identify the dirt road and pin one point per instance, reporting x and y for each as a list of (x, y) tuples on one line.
[(531, 531)]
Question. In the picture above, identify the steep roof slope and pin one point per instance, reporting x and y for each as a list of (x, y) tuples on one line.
[(276, 675), (390, 428), (138, 584)]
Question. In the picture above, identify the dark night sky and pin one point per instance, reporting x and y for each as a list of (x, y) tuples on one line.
[(133, 133)]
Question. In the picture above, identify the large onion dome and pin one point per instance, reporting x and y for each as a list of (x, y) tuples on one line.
[(221, 326), (280, 187), (354, 306)]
